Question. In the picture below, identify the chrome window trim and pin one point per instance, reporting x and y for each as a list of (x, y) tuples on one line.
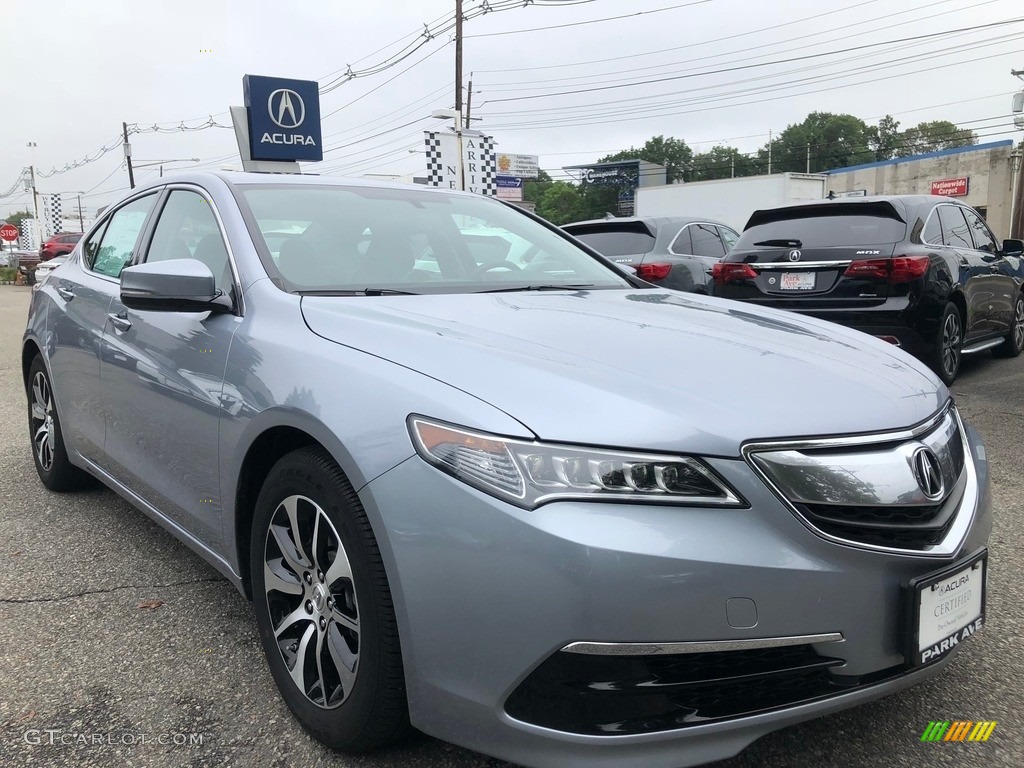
[(789, 266), (962, 521), (698, 646), (725, 251), (235, 275)]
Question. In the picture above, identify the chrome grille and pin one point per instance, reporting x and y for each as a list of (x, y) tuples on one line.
[(875, 491)]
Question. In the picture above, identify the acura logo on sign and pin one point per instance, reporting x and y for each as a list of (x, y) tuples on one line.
[(794, 255), (286, 108), (928, 473)]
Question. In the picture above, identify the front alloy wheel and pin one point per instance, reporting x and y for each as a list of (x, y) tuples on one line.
[(323, 606), (312, 603)]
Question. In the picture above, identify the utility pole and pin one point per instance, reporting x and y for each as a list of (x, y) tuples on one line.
[(769, 152), (469, 100), (81, 223), (458, 57), (808, 157), (128, 156)]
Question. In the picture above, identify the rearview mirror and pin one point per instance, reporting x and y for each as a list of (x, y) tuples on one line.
[(175, 285), (1013, 247)]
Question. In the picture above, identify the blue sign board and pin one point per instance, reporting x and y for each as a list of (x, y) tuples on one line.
[(284, 118), (509, 182)]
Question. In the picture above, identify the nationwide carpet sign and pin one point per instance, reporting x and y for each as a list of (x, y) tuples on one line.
[(951, 187), (284, 118)]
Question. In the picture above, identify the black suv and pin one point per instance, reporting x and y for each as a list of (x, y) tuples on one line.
[(920, 271), (670, 251)]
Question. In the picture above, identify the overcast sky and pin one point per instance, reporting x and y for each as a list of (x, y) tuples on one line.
[(72, 72)]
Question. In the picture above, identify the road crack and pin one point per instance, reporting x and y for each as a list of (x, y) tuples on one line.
[(107, 590)]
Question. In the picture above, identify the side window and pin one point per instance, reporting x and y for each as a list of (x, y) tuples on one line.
[(983, 239), (932, 232), (187, 229), (92, 245), (954, 227), (729, 237), (706, 241), (122, 232), (682, 243)]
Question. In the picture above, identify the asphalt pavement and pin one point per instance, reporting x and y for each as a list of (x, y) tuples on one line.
[(118, 646)]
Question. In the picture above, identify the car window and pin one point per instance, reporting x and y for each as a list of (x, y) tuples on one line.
[(954, 227), (187, 229), (932, 232), (834, 224), (729, 237), (355, 238), (628, 238), (983, 240), (706, 241), (122, 232), (92, 245), (682, 243)]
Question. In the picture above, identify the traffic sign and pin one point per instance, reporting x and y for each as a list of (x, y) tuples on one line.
[(9, 232)]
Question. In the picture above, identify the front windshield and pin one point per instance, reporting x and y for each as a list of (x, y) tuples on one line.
[(339, 239)]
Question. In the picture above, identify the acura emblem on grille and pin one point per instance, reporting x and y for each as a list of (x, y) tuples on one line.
[(928, 473)]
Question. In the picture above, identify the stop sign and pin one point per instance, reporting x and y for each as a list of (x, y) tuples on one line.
[(9, 232)]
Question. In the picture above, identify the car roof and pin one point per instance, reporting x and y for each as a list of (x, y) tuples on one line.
[(653, 222)]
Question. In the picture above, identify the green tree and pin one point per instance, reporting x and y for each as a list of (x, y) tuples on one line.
[(17, 217), (669, 151), (822, 141), (721, 162), (560, 203), (885, 139), (534, 189), (935, 135)]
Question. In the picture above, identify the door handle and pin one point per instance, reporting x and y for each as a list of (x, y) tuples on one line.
[(65, 293), (120, 321)]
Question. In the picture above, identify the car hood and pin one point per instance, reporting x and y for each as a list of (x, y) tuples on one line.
[(646, 369)]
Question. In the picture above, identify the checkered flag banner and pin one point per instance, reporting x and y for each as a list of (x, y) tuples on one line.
[(28, 235), (435, 167), (56, 218), (479, 161)]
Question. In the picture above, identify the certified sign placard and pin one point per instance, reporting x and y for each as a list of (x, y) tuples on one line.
[(951, 187), (523, 166), (284, 118)]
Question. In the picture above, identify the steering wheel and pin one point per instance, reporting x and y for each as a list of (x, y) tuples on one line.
[(502, 266)]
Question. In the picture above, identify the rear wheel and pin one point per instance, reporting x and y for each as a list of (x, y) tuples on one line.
[(1013, 344), (48, 452), (324, 608), (948, 343)]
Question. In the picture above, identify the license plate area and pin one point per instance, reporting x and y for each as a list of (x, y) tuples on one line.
[(796, 281), (946, 608)]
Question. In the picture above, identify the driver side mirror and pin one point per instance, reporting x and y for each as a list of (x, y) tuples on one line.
[(175, 285), (1013, 247)]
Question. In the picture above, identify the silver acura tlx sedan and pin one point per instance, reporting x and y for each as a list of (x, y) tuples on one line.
[(543, 510)]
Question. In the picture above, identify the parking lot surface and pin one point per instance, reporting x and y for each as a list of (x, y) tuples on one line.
[(118, 646)]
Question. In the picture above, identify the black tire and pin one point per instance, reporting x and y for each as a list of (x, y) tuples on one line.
[(354, 699), (949, 340), (47, 440), (1013, 344)]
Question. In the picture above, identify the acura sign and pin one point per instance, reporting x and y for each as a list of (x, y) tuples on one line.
[(284, 118)]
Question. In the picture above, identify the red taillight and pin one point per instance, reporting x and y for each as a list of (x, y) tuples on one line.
[(653, 271), (727, 271), (898, 269)]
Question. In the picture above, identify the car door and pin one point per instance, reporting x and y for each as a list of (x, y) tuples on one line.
[(974, 270), (999, 278), (164, 379), (82, 294)]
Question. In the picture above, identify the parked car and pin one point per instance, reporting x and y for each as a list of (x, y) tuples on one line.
[(673, 252), (47, 267), (59, 244), (919, 271), (484, 502)]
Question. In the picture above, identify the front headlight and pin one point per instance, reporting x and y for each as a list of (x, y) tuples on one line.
[(529, 474)]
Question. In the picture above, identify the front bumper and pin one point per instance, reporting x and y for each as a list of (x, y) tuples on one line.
[(487, 594)]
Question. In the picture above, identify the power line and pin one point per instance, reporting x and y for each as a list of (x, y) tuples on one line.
[(760, 64), (591, 21)]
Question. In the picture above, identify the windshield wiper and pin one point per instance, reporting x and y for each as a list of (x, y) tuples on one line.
[(360, 292), (551, 287), (782, 243)]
